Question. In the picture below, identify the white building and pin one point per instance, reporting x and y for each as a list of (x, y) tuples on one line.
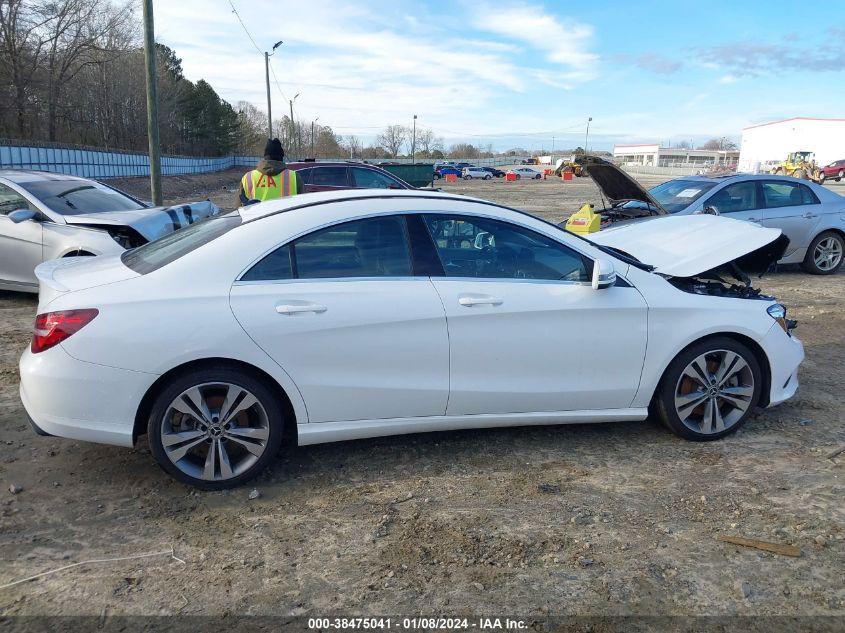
[(654, 155), (769, 143)]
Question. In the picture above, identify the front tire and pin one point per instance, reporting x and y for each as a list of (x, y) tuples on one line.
[(824, 257), (841, 175), (709, 390), (215, 428), (822, 177)]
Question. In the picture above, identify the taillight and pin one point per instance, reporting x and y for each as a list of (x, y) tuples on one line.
[(51, 328)]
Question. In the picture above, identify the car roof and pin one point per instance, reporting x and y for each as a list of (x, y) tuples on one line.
[(20, 176), (718, 178), (272, 207)]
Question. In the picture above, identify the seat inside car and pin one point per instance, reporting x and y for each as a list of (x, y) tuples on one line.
[(382, 249)]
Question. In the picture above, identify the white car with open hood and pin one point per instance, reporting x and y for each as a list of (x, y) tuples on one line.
[(340, 315), (46, 216)]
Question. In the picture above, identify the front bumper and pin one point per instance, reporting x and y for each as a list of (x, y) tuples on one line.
[(785, 355), (79, 400)]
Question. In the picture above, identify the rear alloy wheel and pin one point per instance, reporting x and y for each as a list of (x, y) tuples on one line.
[(709, 390), (487, 177), (824, 257), (215, 428)]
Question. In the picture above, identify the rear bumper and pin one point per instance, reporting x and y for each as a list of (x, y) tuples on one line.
[(785, 355), (70, 398)]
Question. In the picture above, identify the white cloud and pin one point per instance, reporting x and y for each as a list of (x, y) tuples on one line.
[(562, 43)]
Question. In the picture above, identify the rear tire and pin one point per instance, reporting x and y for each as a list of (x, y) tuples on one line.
[(231, 434), (709, 390), (825, 254)]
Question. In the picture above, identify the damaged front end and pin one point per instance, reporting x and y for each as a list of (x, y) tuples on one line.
[(702, 254), (733, 278)]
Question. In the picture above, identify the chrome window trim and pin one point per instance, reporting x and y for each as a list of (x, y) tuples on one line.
[(238, 277)]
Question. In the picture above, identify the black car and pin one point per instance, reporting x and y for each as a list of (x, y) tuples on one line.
[(497, 173)]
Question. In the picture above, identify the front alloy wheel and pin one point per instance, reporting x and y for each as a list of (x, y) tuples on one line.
[(215, 429), (709, 390), (713, 392)]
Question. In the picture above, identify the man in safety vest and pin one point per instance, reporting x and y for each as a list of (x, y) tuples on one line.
[(271, 179)]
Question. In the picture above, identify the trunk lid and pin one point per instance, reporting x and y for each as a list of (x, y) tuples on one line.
[(150, 223), (58, 276), (686, 246)]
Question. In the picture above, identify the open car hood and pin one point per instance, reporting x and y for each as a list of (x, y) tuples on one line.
[(694, 245), (617, 186), (150, 223)]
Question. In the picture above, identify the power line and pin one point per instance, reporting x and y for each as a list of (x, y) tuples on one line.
[(276, 81), (246, 30)]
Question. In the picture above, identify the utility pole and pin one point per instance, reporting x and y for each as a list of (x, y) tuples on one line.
[(267, 78), (312, 136), (269, 105), (292, 124), (152, 104), (414, 143), (587, 137)]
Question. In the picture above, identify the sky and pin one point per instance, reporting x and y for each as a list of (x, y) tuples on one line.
[(525, 74)]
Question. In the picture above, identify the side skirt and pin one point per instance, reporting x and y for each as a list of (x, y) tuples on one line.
[(321, 432)]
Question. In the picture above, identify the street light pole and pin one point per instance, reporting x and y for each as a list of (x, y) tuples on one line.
[(292, 124), (152, 104), (267, 78), (587, 137), (414, 143), (312, 136)]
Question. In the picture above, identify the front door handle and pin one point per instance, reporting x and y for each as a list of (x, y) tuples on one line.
[(479, 300), (753, 219), (296, 308)]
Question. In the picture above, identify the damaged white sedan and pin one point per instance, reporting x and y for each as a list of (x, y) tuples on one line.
[(341, 315), (46, 216)]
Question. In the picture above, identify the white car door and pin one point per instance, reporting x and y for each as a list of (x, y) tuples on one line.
[(793, 208), (342, 313), (20, 244), (527, 331)]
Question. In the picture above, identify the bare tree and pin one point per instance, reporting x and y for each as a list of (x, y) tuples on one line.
[(352, 145), (463, 150), (392, 139)]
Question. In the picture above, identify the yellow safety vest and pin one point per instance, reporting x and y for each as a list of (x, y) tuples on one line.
[(259, 186)]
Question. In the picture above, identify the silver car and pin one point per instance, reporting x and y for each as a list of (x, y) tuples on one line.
[(811, 216), (46, 216)]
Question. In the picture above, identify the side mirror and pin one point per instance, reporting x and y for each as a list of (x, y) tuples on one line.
[(710, 210), (22, 215), (604, 275)]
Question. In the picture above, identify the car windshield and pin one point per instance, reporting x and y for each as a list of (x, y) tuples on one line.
[(677, 195), (74, 197), (152, 256)]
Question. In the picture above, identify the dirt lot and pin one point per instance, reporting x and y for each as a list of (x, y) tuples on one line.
[(603, 519)]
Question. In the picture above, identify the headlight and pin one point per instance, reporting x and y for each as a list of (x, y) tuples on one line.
[(778, 313)]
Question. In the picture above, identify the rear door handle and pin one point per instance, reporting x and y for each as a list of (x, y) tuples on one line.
[(479, 300), (809, 215), (296, 308)]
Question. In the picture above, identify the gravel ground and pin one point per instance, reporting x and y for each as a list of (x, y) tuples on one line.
[(604, 519)]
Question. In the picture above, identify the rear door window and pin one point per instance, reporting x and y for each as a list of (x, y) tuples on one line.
[(11, 200), (786, 194), (372, 179), (373, 247), (329, 177)]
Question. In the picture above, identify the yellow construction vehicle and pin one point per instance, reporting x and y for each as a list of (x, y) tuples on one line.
[(563, 165), (799, 165)]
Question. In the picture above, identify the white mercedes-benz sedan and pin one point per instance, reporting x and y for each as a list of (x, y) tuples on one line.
[(353, 314)]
